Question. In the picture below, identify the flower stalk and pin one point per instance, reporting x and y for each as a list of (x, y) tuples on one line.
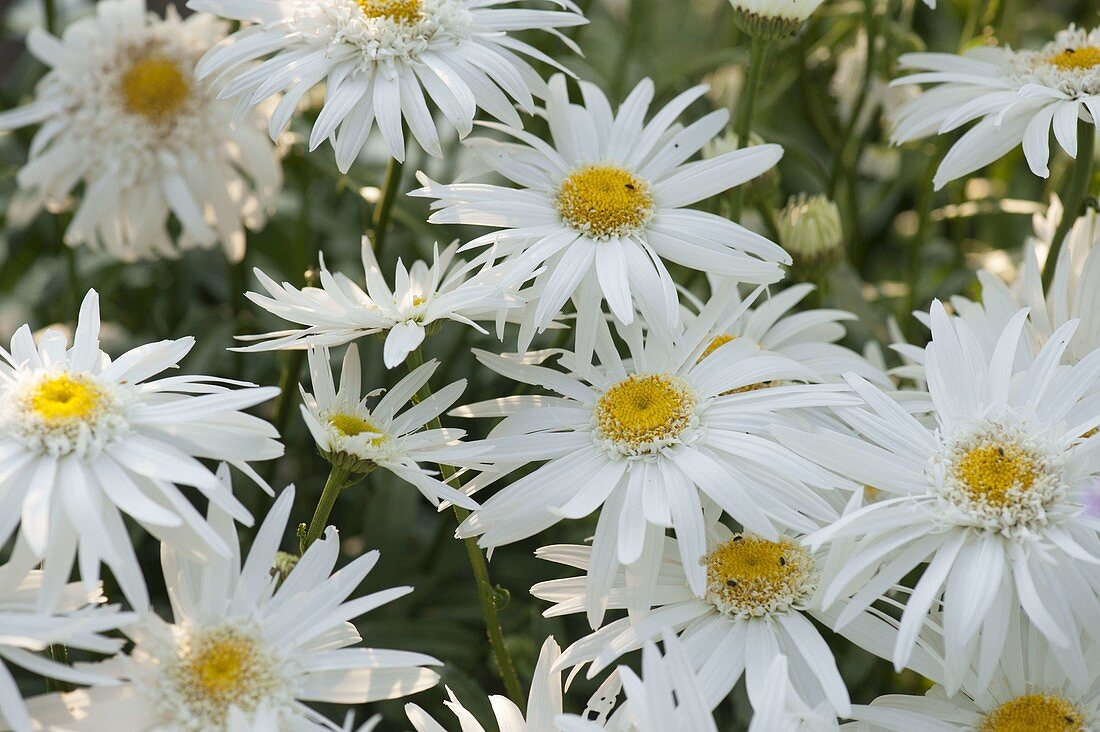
[(758, 57), (1075, 193)]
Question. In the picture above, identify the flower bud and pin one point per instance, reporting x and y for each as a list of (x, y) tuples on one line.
[(810, 231)]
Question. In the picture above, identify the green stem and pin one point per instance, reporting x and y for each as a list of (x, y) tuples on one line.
[(844, 164), (1075, 194), (487, 594), (633, 35), (58, 653), (49, 9), (337, 481), (381, 218), (758, 53)]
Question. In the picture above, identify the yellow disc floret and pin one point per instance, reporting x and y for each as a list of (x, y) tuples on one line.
[(1034, 713), (604, 202), (350, 425), (716, 343), (992, 473), (750, 577), (1076, 59), (65, 397), (399, 11), (155, 87), (643, 414)]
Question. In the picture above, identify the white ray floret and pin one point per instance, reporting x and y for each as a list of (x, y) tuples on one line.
[(123, 115), (84, 439)]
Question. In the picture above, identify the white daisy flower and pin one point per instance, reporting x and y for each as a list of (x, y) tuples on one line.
[(605, 205), (653, 442), (381, 61), (339, 311), (781, 709), (990, 496), (346, 429), (1029, 692), (83, 437), (1015, 97), (80, 622), (246, 649), (123, 114), (759, 599), (544, 703), (667, 696)]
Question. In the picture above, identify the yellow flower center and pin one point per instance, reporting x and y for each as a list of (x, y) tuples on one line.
[(1034, 713), (399, 11), (419, 300), (64, 398), (350, 426), (715, 344), (992, 473), (750, 576), (155, 87), (604, 202), (1076, 59), (223, 668), (644, 413)]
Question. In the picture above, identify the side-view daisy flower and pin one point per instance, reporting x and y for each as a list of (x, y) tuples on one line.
[(989, 495), (605, 204), (381, 61), (654, 441), (81, 622), (123, 113), (1015, 97), (544, 703), (347, 431), (340, 310), (1028, 691), (83, 437), (246, 646)]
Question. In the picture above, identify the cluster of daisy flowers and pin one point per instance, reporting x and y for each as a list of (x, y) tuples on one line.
[(754, 488)]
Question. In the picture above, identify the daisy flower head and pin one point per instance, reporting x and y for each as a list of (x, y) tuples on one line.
[(246, 647), (387, 435), (989, 494), (83, 437), (80, 621), (654, 440), (123, 115), (604, 205), (382, 61), (1028, 692), (760, 599), (544, 703), (423, 296), (773, 18), (1015, 97)]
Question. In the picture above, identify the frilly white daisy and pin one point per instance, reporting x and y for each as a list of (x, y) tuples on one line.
[(604, 205), (346, 429), (80, 622), (83, 437), (381, 62), (340, 311), (990, 496), (247, 646), (123, 114), (1015, 97)]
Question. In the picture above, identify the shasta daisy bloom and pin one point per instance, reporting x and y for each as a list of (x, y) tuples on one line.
[(246, 649), (83, 437), (654, 442), (606, 204), (759, 599), (349, 432), (340, 310), (544, 703), (123, 114), (1028, 692), (990, 496), (382, 61), (80, 622), (1015, 97)]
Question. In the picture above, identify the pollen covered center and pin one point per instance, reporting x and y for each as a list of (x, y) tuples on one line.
[(400, 11), (155, 87), (604, 202), (1034, 713), (994, 473), (750, 576), (716, 343), (65, 398), (349, 425), (1076, 59), (642, 414), (221, 668)]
